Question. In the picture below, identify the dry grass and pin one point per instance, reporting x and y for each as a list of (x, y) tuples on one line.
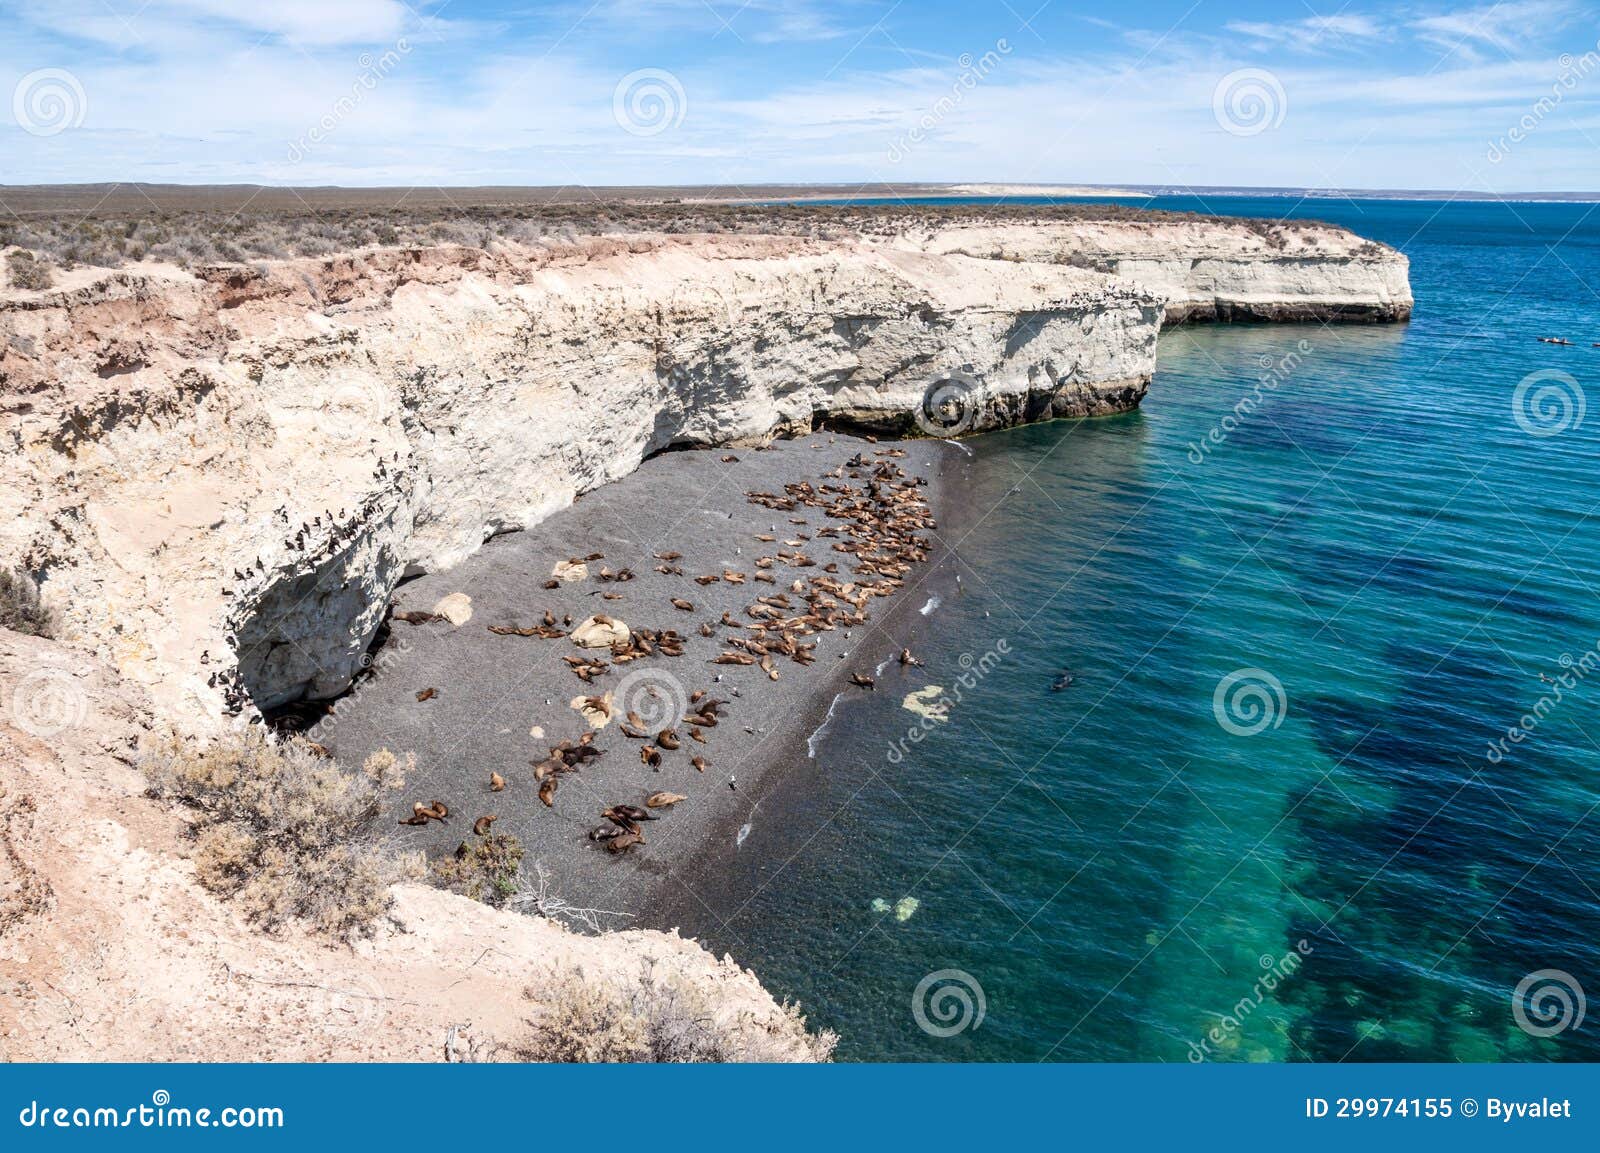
[(28, 270), (20, 608), (282, 832), (655, 1019), (484, 869), (198, 237)]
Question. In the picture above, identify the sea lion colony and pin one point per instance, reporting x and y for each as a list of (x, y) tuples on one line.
[(877, 518)]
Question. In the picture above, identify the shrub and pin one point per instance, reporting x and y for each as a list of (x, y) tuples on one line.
[(28, 271), (20, 608), (280, 830), (484, 869), (655, 1019)]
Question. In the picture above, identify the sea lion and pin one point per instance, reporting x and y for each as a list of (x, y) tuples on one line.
[(680, 603), (426, 695), (907, 659), (699, 764), (415, 819), (624, 841), (863, 680), (663, 800), (417, 618), (696, 735), (667, 739), (627, 813), (496, 782), (650, 755), (481, 825), (547, 792)]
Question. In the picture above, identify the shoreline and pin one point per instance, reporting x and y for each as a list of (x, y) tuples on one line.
[(493, 690)]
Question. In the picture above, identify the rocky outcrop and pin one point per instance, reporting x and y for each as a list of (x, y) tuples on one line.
[(221, 476)]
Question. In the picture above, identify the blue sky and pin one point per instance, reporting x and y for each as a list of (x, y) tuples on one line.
[(1483, 97)]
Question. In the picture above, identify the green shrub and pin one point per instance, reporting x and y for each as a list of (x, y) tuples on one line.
[(484, 869), (20, 608)]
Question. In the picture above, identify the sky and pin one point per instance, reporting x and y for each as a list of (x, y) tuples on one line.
[(1463, 97)]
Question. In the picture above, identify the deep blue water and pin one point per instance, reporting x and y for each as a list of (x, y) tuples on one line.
[(1360, 879)]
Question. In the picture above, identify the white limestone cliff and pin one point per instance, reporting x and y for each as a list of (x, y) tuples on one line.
[(232, 469)]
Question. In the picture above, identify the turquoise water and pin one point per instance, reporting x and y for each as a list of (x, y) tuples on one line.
[(1119, 872)]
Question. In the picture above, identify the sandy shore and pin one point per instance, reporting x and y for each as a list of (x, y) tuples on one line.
[(493, 691)]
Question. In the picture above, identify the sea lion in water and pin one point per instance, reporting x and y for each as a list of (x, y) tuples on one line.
[(481, 825), (1064, 680)]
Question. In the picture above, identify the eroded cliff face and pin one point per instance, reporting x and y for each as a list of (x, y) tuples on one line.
[(220, 477)]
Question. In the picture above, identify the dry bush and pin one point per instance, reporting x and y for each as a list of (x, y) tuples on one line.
[(484, 869), (285, 833), (25, 270), (24, 892), (20, 609), (111, 235), (655, 1019)]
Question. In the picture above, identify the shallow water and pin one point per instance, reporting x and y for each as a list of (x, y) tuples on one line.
[(1339, 872)]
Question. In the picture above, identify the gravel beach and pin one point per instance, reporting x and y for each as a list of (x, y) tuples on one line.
[(500, 702)]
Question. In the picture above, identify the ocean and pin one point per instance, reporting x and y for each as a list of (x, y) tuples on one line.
[(1319, 781)]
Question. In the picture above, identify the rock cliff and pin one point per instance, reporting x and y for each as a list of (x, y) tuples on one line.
[(220, 475)]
